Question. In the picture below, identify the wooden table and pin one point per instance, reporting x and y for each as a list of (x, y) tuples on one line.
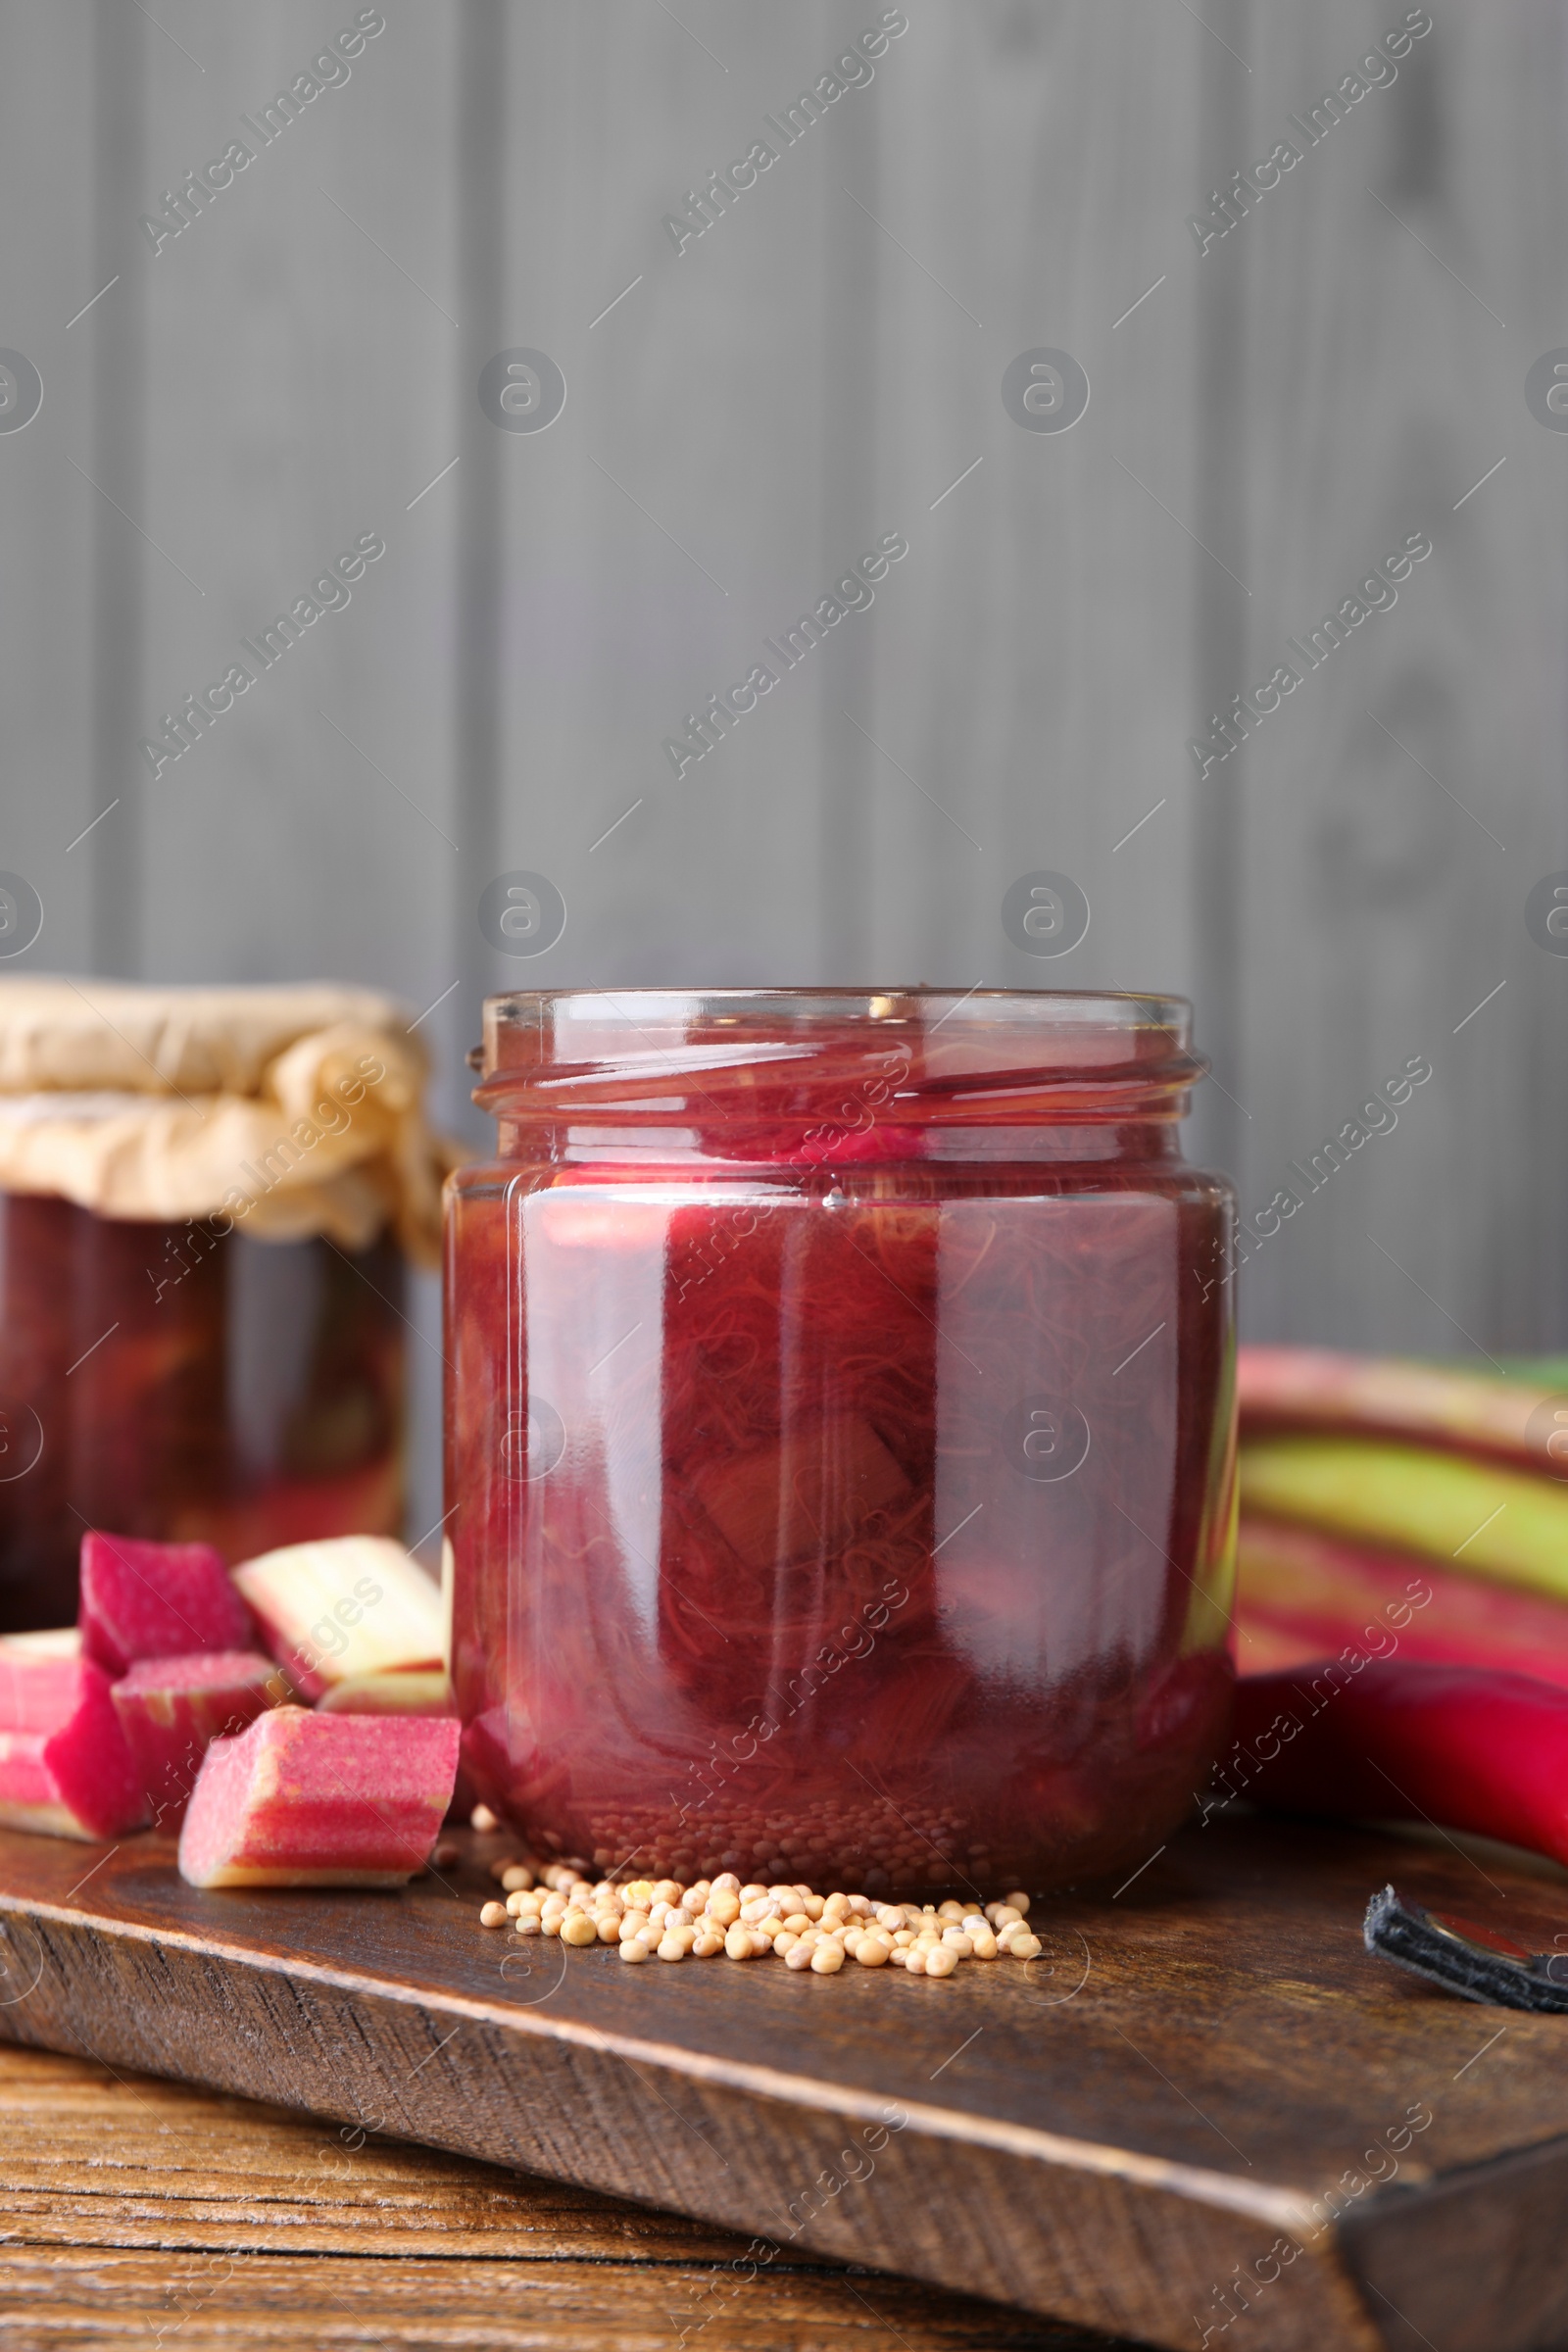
[(1225, 2065), (139, 2212)]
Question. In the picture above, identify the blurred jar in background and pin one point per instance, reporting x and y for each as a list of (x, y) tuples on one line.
[(208, 1198)]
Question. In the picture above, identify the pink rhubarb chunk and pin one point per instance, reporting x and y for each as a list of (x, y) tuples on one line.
[(65, 1765), (302, 1799), (53, 1642), (344, 1606), (155, 1601), (171, 1710), (410, 1692)]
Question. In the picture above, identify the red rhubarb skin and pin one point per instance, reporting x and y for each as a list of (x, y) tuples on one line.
[(141, 1599), (1466, 1747), (171, 1710), (942, 1673), (297, 1663), (312, 1799), (60, 1744)]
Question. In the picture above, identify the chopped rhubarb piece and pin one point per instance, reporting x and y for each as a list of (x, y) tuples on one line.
[(155, 1601), (810, 1495), (343, 1607), (65, 1765), (411, 1693), (171, 1710), (50, 1641), (305, 1799)]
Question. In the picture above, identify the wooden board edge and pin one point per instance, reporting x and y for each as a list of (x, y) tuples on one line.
[(1497, 2285), (1268, 2207), (1105, 2249)]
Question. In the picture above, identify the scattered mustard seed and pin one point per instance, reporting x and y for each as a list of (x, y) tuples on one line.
[(810, 1932)]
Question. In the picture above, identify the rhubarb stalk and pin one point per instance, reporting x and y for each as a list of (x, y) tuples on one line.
[(1447, 1407), (1509, 1525), (1465, 1747), (1303, 1595)]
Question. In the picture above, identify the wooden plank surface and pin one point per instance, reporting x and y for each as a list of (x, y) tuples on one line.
[(137, 2208), (805, 375), (45, 506), (1394, 290), (1112, 2136), (1002, 657), (1350, 359)]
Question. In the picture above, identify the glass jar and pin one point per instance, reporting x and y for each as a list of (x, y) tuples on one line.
[(208, 1200), (190, 1384), (840, 1433)]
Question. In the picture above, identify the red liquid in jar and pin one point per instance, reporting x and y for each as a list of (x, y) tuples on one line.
[(167, 1380), (830, 1509)]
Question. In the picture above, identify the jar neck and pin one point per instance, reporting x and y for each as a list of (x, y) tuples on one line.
[(718, 1151)]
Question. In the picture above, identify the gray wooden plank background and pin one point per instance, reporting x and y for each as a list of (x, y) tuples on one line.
[(821, 367)]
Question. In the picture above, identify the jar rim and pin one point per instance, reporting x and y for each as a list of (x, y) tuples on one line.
[(980, 1044)]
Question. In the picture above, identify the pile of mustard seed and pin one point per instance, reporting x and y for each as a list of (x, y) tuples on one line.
[(663, 1920)]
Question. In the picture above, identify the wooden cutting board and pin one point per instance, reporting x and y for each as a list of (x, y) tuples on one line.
[(1136, 2131)]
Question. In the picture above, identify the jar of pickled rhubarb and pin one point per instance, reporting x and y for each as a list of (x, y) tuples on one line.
[(208, 1198), (840, 1433)]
